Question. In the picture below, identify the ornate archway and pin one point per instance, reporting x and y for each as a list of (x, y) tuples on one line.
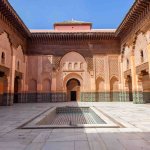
[(100, 89), (114, 88), (73, 89)]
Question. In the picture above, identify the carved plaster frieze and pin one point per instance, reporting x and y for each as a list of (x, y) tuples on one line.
[(89, 61)]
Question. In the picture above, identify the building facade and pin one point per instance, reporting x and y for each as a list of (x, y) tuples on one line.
[(74, 62)]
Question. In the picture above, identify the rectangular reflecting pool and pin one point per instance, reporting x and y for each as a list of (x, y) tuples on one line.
[(70, 117)]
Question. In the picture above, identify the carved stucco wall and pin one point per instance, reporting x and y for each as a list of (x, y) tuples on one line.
[(126, 56), (46, 73), (20, 58), (141, 44), (113, 67), (100, 66), (6, 48), (32, 68), (148, 36), (73, 62), (40, 70)]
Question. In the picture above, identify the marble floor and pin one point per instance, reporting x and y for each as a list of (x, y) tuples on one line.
[(135, 135)]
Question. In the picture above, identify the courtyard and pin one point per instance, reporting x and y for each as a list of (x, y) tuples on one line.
[(135, 133)]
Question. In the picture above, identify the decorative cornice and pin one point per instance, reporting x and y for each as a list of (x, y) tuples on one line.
[(72, 36), (138, 10), (8, 13)]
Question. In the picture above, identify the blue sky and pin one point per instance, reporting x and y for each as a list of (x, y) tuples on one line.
[(42, 14)]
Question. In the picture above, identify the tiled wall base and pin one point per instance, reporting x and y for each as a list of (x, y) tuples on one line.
[(126, 96), (146, 97), (6, 99), (45, 97), (100, 96), (141, 97), (138, 97)]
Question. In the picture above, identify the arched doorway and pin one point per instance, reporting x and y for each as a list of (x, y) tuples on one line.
[(32, 89), (114, 95), (146, 86), (129, 82), (16, 89), (46, 85), (1, 87), (100, 89), (73, 89)]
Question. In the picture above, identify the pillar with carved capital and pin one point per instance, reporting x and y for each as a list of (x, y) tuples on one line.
[(148, 50), (20, 91), (53, 86), (12, 79), (139, 99), (136, 83), (121, 87), (126, 89), (107, 82), (6, 95), (39, 81)]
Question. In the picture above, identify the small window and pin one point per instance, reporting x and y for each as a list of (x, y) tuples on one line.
[(127, 63), (81, 66), (18, 65), (75, 66), (70, 66), (3, 58), (142, 56)]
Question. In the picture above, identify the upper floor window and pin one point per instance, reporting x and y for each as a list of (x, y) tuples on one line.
[(81, 66), (75, 66), (127, 63), (142, 56), (18, 65), (3, 58), (70, 66)]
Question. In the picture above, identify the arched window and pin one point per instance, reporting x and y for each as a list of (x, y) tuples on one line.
[(127, 63), (70, 66), (114, 87), (81, 66), (75, 66), (142, 56), (3, 58)]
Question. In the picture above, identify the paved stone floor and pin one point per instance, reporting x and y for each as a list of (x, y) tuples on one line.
[(136, 135)]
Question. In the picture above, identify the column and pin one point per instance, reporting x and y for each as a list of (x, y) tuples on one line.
[(140, 89), (20, 90), (93, 84), (39, 81), (53, 87), (136, 84), (121, 86), (107, 79), (5, 98), (126, 89), (148, 50), (12, 78), (26, 79)]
